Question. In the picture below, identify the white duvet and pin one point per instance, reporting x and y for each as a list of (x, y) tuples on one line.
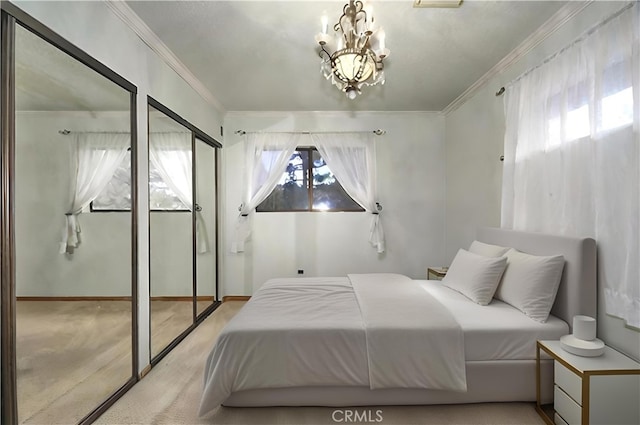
[(374, 330)]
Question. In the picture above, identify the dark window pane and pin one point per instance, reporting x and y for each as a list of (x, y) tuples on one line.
[(292, 193), (328, 193)]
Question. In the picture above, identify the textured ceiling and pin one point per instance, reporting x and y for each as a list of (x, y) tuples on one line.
[(48, 79), (261, 55)]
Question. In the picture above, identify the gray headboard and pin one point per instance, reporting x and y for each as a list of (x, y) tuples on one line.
[(578, 290)]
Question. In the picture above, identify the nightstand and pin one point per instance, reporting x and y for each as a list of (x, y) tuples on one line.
[(590, 390), (436, 273)]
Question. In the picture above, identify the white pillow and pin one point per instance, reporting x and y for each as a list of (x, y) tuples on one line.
[(475, 276), (487, 250), (530, 283)]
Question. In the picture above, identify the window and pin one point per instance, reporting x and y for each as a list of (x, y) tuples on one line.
[(308, 185), (613, 109), (616, 110), (117, 194)]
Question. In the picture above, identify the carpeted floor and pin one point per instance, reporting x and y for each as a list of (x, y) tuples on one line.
[(168, 320), (170, 394), (71, 355)]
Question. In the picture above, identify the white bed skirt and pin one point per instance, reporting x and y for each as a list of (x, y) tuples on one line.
[(487, 381)]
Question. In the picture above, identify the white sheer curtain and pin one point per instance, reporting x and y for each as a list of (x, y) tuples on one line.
[(351, 158), (266, 158), (572, 152), (170, 155), (94, 158)]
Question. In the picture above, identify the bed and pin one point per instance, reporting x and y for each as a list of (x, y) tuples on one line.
[(351, 341)]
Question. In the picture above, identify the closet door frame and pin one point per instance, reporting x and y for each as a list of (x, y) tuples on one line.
[(11, 16), (196, 133)]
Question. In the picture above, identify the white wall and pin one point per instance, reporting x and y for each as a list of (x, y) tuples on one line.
[(410, 161), (474, 141), (94, 28), (101, 266)]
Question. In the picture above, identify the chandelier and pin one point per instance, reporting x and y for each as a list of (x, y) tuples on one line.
[(359, 49)]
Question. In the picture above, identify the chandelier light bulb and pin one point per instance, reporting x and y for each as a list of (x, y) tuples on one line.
[(381, 39), (325, 23), (368, 8)]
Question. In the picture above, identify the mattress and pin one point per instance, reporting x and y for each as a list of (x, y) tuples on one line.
[(496, 331)]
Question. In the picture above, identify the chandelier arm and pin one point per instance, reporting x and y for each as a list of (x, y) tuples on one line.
[(323, 50)]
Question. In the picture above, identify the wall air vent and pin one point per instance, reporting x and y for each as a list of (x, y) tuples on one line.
[(437, 3)]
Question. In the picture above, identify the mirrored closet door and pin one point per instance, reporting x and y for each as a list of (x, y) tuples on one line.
[(171, 229), (183, 228), (73, 214), (206, 225)]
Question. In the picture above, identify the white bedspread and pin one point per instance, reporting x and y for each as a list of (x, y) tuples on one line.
[(496, 331), (408, 334), (317, 332)]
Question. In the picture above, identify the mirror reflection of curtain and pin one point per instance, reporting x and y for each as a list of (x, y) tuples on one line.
[(95, 157), (170, 156)]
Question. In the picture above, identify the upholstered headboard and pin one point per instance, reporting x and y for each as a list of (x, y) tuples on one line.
[(578, 290)]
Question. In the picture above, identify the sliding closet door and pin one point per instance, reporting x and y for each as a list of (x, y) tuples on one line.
[(183, 227), (74, 227), (206, 225), (171, 230)]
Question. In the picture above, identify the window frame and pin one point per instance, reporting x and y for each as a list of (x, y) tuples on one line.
[(309, 175)]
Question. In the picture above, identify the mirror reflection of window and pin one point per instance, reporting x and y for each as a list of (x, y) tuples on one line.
[(73, 307), (116, 196)]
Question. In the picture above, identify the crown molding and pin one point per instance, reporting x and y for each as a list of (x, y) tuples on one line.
[(564, 14), (142, 30)]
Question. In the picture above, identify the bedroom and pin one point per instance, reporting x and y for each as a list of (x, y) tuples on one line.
[(453, 158)]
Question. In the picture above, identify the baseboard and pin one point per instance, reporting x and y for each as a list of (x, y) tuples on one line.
[(187, 298), (235, 298), (110, 298)]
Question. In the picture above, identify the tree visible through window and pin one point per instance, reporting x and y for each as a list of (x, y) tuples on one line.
[(308, 185)]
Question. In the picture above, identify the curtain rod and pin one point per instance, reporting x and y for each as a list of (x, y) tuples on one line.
[(585, 35), (65, 132), (377, 132)]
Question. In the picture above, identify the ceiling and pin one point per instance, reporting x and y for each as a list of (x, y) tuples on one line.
[(47, 79), (261, 55)]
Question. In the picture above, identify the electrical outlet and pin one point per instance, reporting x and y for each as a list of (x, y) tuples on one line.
[(300, 271)]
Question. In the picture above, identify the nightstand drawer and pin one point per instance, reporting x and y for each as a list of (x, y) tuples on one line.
[(570, 411), (568, 381)]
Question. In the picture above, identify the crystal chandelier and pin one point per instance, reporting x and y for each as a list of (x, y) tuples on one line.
[(359, 49)]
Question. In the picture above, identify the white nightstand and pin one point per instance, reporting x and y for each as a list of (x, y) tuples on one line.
[(436, 273), (590, 390)]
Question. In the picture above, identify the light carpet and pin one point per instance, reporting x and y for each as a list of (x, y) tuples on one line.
[(170, 394), (72, 355)]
